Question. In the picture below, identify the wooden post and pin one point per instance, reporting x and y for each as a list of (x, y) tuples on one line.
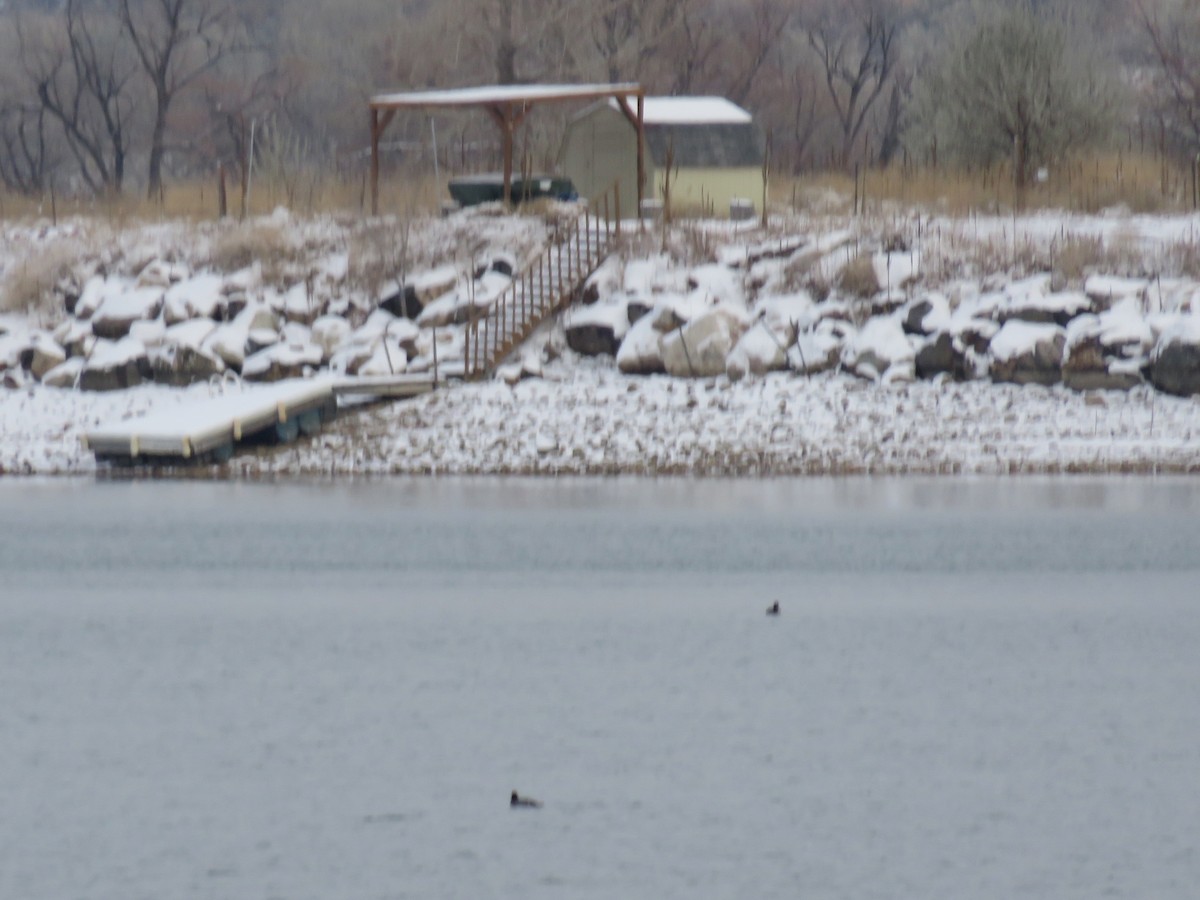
[(641, 157), (374, 162), (222, 199), (506, 130)]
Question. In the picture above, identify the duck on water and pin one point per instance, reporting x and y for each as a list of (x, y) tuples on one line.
[(528, 802)]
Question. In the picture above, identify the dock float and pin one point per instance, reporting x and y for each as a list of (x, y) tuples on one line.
[(403, 385), (206, 431)]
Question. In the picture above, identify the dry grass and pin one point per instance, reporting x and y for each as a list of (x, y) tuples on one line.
[(308, 192), (1140, 182), (858, 279), (30, 285), (245, 244)]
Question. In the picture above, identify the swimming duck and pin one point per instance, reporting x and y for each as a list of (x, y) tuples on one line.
[(773, 609), (518, 800)]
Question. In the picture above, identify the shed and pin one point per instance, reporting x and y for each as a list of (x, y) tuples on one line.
[(717, 150)]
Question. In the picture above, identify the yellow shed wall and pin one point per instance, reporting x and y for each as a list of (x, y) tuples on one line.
[(708, 191)]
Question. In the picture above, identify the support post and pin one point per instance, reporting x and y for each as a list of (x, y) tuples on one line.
[(641, 154), (374, 162)]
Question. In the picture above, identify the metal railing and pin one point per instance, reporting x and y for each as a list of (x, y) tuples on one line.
[(544, 287)]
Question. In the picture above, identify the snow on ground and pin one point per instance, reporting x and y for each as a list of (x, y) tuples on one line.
[(586, 417)]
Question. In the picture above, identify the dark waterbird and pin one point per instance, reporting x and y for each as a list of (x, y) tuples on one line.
[(529, 802), (773, 609)]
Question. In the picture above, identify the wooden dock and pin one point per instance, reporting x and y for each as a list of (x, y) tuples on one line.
[(206, 431), (398, 386)]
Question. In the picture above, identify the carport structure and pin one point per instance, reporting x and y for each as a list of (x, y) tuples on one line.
[(508, 105)]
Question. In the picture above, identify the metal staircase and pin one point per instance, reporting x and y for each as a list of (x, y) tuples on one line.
[(544, 288)]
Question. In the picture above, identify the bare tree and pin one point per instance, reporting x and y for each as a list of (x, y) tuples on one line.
[(25, 157), (1015, 85), (1173, 29), (698, 39), (628, 34), (79, 72), (525, 40), (176, 41), (857, 52), (755, 30)]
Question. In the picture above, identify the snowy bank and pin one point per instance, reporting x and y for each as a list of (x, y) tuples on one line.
[(813, 346)]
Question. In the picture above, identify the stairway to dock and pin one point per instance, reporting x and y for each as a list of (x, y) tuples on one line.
[(544, 288)]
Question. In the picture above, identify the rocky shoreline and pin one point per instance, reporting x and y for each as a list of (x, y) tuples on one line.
[(818, 348)]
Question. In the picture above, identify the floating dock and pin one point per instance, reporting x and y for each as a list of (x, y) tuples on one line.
[(206, 431), (403, 385)]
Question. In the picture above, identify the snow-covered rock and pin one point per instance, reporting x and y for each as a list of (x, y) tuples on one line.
[(65, 375), (114, 365), (329, 333), (200, 296), (928, 315), (75, 336), (758, 351), (597, 329), (120, 309), (1032, 300), (182, 364), (1107, 290), (1108, 351), (1175, 362), (943, 354), (281, 361), (460, 304), (1027, 353), (878, 347), (820, 349), (46, 354), (699, 348), (387, 358), (640, 352), (229, 341)]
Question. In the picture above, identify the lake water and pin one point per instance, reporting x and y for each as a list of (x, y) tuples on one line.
[(976, 689)]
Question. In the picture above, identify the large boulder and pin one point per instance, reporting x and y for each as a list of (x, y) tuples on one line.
[(115, 365), (758, 351), (640, 352), (820, 349), (466, 301), (280, 361), (45, 355), (1108, 351), (699, 348), (329, 333), (183, 364), (927, 316), (230, 340), (410, 300), (1175, 363), (943, 355), (75, 336), (1027, 353), (880, 346), (198, 297), (119, 311), (65, 375), (597, 329)]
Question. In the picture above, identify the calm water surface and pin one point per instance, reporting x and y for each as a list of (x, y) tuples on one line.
[(977, 689)]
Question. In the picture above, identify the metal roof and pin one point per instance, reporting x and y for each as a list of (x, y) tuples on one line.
[(502, 94)]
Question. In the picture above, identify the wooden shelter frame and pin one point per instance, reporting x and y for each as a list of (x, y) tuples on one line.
[(508, 105)]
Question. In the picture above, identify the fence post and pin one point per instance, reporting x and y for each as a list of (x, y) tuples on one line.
[(435, 360)]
